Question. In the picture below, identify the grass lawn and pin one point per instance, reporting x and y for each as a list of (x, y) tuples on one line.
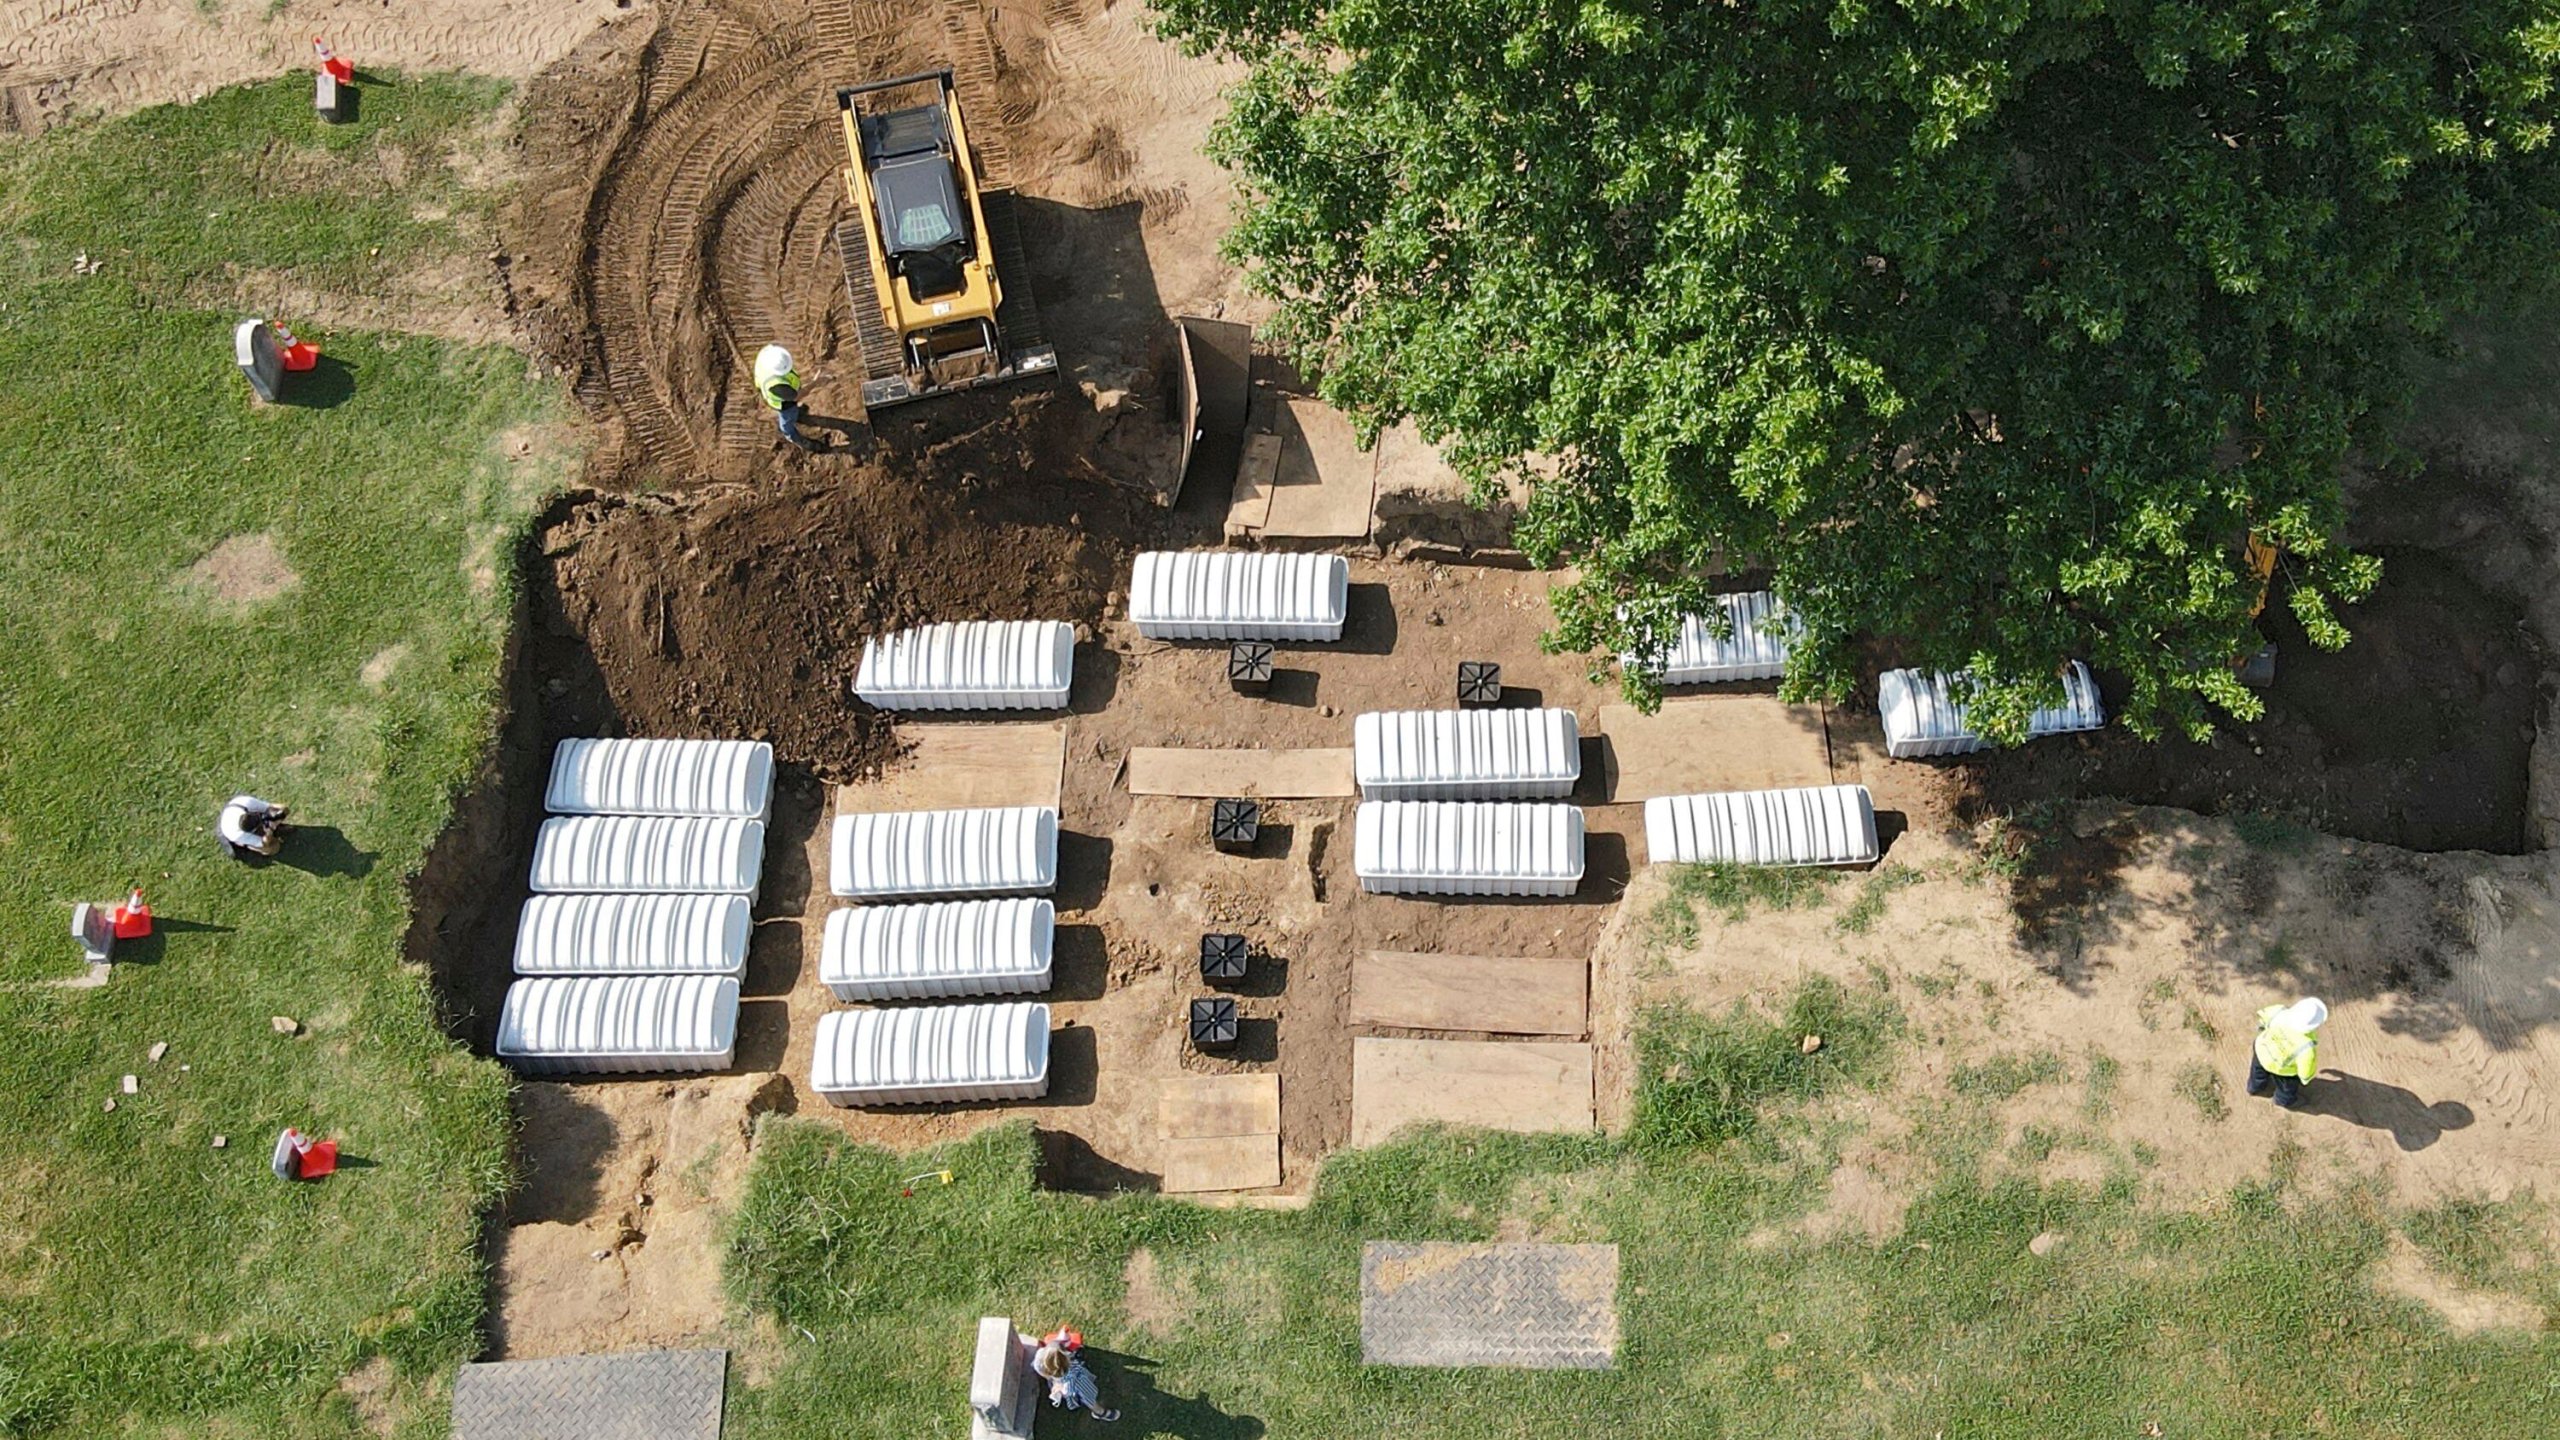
[(2253, 1318), (338, 651)]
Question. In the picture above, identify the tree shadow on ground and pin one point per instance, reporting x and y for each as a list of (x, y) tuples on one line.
[(2256, 902), (1068, 1162)]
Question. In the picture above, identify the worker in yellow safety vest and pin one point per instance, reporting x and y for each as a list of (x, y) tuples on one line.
[(2286, 1054), (778, 381)]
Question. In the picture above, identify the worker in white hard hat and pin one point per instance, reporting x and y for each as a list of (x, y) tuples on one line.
[(2287, 1052), (778, 381)]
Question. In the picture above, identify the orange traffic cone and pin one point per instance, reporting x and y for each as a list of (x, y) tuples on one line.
[(132, 919)]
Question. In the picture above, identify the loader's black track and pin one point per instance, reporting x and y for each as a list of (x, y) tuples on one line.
[(882, 356), (1018, 314)]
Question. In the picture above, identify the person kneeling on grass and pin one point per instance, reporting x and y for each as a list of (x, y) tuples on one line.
[(1070, 1383), (2286, 1055), (251, 828)]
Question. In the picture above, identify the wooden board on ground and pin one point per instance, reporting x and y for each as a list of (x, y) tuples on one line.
[(1271, 774), (1700, 743), (957, 766), (1470, 992), (1198, 1107), (1220, 1162), (1256, 474), (1327, 486), (1534, 1086)]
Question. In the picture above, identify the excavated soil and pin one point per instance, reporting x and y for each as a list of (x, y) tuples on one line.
[(742, 610), (686, 179), (2418, 734)]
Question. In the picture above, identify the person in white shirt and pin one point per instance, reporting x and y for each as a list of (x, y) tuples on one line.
[(251, 828)]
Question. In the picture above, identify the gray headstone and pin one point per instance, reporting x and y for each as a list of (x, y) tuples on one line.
[(253, 344), (97, 937), (324, 98)]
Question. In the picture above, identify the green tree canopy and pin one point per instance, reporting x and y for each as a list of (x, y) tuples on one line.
[(1989, 327)]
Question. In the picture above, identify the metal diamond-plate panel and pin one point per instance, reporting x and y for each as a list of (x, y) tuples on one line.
[(644, 1395), (1528, 1307)]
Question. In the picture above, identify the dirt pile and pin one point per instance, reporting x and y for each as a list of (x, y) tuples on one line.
[(742, 610)]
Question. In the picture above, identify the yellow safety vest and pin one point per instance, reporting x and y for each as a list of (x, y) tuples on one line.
[(768, 382), (2284, 1050)]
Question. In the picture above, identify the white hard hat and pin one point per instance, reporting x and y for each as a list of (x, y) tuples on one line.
[(772, 360), (2307, 1013)]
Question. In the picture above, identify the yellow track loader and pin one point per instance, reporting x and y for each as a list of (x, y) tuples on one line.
[(928, 252)]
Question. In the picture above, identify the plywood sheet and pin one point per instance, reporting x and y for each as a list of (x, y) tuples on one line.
[(1221, 1162), (1701, 743), (1271, 774), (1221, 354), (956, 766), (1256, 474), (1206, 1106), (1327, 487), (1470, 992), (1533, 1086)]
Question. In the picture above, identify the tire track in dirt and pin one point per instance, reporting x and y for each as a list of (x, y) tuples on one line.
[(710, 226), (752, 255), (644, 270), (705, 226)]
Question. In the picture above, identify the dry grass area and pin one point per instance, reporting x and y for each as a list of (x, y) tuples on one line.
[(2111, 1026)]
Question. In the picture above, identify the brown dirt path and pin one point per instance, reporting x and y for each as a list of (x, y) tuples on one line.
[(60, 58)]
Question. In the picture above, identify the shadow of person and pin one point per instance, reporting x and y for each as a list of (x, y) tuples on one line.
[(1128, 1384), (2414, 1124), (323, 850)]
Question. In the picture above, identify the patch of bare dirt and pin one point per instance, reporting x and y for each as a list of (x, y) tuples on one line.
[(1146, 1301), (613, 1238), (2406, 1272), (458, 297), (1868, 1197), (2419, 734), (241, 573), (742, 610), (368, 1388), (378, 667), (62, 58), (2437, 1063)]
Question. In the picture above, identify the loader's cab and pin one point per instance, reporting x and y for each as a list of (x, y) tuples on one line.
[(916, 187), (932, 312)]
